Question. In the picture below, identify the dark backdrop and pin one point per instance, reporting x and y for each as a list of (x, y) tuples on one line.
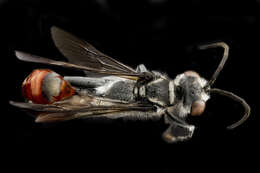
[(153, 32)]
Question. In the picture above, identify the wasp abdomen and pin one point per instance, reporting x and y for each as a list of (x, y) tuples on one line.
[(44, 86)]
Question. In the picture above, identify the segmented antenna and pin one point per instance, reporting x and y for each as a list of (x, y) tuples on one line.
[(238, 99), (223, 92), (222, 62)]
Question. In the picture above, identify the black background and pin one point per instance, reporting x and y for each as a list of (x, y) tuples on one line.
[(161, 34)]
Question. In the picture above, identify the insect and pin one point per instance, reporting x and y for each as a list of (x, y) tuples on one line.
[(114, 90)]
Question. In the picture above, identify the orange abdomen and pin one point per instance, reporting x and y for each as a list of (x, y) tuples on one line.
[(44, 86)]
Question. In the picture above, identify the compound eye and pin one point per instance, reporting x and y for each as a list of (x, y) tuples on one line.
[(198, 107), (191, 73)]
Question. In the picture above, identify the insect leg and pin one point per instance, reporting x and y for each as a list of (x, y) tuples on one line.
[(129, 115), (171, 111), (178, 132)]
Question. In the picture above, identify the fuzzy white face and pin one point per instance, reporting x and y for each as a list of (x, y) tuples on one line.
[(202, 82), (192, 95)]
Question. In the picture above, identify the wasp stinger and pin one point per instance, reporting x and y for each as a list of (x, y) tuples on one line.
[(113, 90)]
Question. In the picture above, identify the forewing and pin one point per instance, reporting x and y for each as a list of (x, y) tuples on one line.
[(82, 53), (37, 59), (62, 112)]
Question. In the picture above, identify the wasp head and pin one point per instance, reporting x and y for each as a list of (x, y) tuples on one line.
[(193, 91), (190, 91)]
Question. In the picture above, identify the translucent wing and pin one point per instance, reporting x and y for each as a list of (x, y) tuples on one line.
[(83, 56), (66, 110), (82, 53), (33, 58)]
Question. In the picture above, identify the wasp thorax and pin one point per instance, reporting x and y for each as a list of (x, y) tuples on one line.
[(44, 86)]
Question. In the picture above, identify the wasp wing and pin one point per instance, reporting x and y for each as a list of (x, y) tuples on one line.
[(62, 112), (83, 56), (37, 59), (80, 52)]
